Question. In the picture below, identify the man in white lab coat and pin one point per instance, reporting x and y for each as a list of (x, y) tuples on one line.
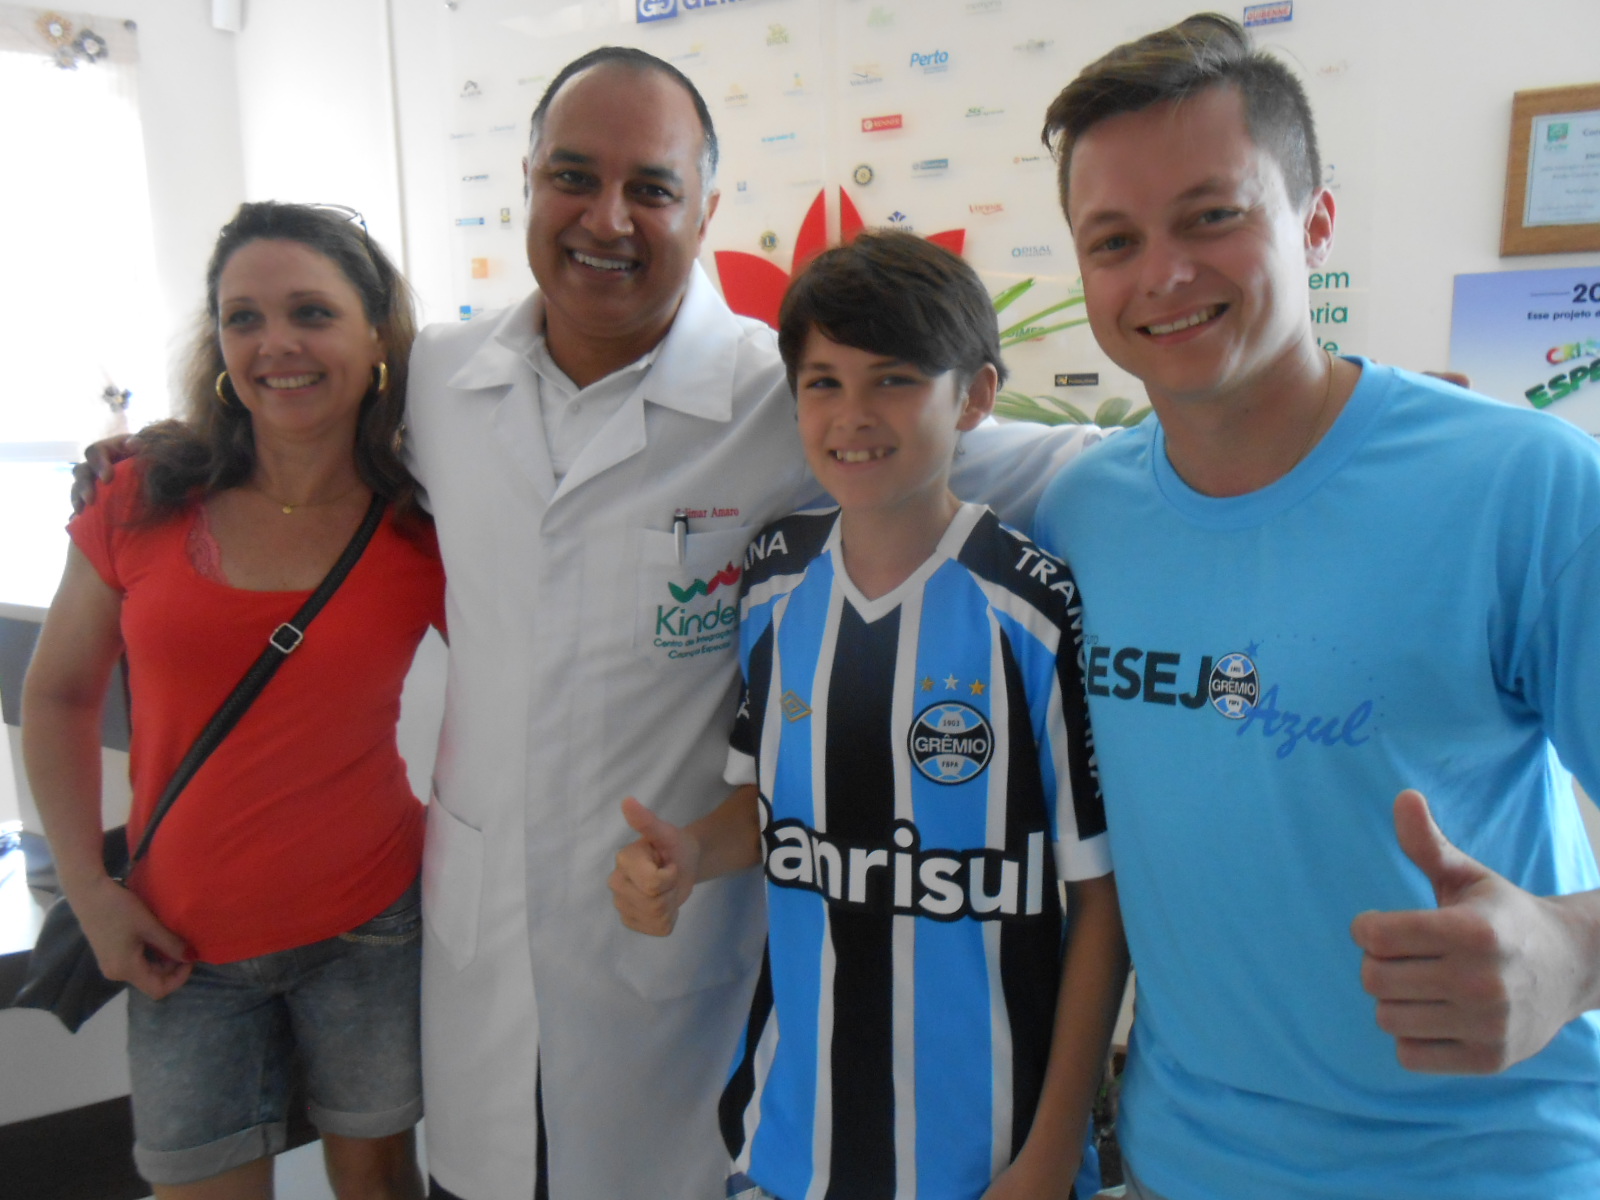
[(597, 458)]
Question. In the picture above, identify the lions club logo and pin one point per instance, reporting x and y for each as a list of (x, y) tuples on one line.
[(951, 742), (1234, 686)]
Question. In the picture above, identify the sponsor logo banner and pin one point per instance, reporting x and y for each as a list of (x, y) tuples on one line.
[(874, 124), (1268, 14)]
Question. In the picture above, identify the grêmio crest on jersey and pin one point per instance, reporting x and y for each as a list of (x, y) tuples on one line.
[(950, 742)]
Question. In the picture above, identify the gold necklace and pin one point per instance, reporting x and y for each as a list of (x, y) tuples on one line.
[(288, 509), (1316, 422)]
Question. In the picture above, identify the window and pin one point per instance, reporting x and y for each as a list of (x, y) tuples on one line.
[(80, 311)]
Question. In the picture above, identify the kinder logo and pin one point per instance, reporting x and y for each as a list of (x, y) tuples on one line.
[(931, 63), (727, 577), (655, 10), (1030, 252), (985, 210), (874, 124)]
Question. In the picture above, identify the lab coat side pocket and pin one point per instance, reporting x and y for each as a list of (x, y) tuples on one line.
[(452, 883), (717, 941)]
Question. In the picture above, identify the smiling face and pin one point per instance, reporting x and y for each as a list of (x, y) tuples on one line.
[(299, 349), (879, 434), (1194, 260), (617, 211)]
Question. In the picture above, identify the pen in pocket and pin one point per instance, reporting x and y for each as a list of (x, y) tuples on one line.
[(680, 532)]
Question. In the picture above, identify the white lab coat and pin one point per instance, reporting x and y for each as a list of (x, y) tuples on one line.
[(578, 677)]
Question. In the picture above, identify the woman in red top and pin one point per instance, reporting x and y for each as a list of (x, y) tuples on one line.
[(276, 909)]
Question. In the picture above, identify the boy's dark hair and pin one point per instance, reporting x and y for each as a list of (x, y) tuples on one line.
[(1202, 51), (211, 447), (893, 294), (638, 60)]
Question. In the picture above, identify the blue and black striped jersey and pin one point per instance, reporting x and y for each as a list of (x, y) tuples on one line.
[(927, 778)]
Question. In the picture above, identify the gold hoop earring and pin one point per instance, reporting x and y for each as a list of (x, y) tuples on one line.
[(383, 377), (221, 395)]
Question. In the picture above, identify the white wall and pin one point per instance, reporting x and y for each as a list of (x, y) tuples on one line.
[(1413, 100), (188, 102), (316, 114)]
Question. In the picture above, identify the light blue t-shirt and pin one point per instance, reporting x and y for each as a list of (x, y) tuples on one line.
[(1416, 604)]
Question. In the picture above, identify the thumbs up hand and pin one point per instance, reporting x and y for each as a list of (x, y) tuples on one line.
[(1488, 977), (655, 874)]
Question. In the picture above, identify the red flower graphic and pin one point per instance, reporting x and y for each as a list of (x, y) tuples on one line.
[(754, 286)]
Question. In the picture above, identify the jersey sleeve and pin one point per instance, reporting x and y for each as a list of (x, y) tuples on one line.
[(1083, 851), (93, 530), (741, 768)]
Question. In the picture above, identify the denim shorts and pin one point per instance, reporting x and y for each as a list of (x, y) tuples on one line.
[(211, 1063)]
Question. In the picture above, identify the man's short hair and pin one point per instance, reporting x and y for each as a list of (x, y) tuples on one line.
[(1202, 51), (638, 60), (897, 295)]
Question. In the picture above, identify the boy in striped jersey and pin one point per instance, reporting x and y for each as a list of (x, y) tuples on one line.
[(911, 746)]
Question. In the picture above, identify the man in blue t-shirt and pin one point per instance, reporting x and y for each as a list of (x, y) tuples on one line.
[(1312, 583)]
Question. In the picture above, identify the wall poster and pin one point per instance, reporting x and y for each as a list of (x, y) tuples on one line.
[(1532, 338)]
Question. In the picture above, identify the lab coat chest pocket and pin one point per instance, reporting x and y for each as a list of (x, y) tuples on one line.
[(452, 883), (688, 611)]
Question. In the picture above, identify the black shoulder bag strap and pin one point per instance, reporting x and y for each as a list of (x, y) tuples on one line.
[(280, 645)]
